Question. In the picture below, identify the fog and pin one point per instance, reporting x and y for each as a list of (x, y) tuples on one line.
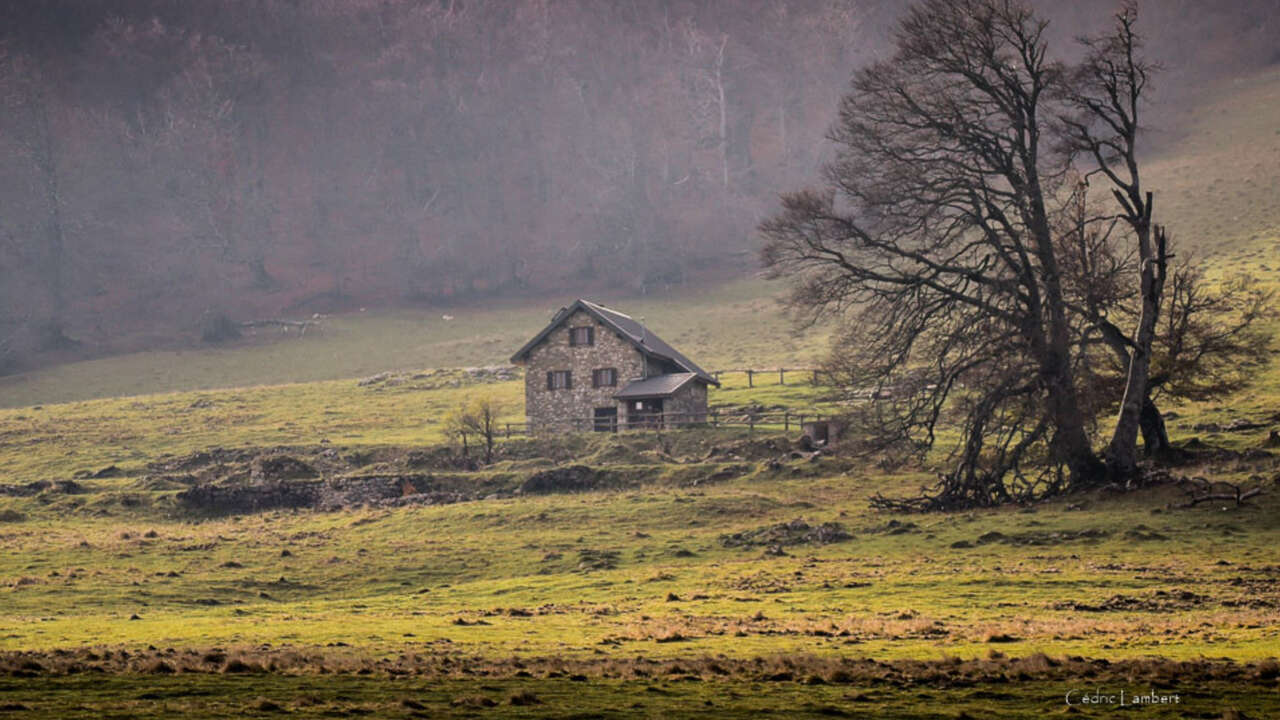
[(168, 160)]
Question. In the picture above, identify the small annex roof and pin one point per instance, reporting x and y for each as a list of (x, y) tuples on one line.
[(626, 326), (656, 386)]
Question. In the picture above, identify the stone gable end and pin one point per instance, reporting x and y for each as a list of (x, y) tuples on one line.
[(543, 406)]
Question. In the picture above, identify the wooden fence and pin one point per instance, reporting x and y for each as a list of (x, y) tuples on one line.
[(812, 375), (785, 421)]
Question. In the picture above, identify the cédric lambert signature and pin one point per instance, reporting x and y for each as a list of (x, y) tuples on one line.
[(1121, 699)]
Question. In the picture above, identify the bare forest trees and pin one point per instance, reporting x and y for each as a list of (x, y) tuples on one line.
[(25, 97), (967, 239), (303, 157)]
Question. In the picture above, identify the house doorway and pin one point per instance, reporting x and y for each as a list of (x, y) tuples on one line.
[(606, 419), (645, 413)]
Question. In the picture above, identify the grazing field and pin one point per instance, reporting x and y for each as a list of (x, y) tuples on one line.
[(614, 574), (271, 535)]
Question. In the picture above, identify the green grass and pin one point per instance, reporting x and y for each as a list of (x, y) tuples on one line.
[(679, 696), (501, 584), (386, 580)]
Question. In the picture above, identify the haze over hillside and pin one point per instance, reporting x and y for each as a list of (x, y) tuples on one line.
[(262, 158)]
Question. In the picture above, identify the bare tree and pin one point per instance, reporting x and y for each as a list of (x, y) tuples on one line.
[(934, 235), (25, 94), (1212, 340), (1104, 104), (474, 419), (940, 239), (976, 272)]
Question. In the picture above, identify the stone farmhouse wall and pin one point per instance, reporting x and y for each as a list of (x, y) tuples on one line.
[(555, 407), (689, 403)]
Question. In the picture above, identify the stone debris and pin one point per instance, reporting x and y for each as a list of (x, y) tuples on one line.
[(796, 532)]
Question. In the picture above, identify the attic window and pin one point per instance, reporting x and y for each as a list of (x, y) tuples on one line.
[(604, 377), (560, 380), (582, 336)]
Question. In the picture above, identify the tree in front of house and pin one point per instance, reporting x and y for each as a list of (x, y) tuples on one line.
[(474, 421)]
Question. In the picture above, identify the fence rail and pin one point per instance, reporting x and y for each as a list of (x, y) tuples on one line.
[(813, 375), (784, 421)]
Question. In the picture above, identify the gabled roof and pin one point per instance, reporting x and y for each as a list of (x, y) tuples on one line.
[(638, 335)]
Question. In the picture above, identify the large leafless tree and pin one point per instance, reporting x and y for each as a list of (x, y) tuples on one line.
[(981, 221)]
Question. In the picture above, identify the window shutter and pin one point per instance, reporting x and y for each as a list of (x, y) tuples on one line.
[(591, 336), (568, 379), (550, 381)]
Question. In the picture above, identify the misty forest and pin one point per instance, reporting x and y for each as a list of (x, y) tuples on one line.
[(640, 358)]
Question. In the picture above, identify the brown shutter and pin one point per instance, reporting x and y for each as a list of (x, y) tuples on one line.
[(550, 381), (591, 336), (568, 379)]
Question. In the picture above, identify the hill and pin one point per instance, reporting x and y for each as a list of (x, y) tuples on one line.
[(171, 159)]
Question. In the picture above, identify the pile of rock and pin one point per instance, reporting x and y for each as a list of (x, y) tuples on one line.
[(796, 532)]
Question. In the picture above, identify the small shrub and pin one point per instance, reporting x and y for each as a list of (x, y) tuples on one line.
[(216, 327), (238, 666), (524, 697)]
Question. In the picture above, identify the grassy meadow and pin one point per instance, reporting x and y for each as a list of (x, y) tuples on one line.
[(710, 572)]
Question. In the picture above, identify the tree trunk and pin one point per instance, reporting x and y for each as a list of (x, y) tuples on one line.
[(724, 114), (262, 279), (1122, 453), (1071, 444), (1155, 437)]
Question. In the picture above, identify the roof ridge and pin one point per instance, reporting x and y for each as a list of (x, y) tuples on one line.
[(598, 306), (642, 337)]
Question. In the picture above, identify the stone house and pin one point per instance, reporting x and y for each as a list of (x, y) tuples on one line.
[(593, 368)]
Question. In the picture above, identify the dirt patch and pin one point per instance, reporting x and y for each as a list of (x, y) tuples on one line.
[(1044, 537), (441, 458), (235, 499), (760, 449), (66, 487), (846, 670), (574, 478), (796, 532), (1158, 601), (760, 582), (229, 498), (280, 467), (590, 559)]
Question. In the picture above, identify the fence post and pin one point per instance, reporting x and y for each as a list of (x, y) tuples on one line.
[(786, 422), (815, 377), (508, 435), (750, 378), (782, 377)]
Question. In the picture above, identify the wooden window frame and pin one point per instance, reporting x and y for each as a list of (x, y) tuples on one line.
[(568, 379), (599, 373), (573, 336)]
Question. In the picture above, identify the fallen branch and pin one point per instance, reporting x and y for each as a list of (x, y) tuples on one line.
[(1199, 490)]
